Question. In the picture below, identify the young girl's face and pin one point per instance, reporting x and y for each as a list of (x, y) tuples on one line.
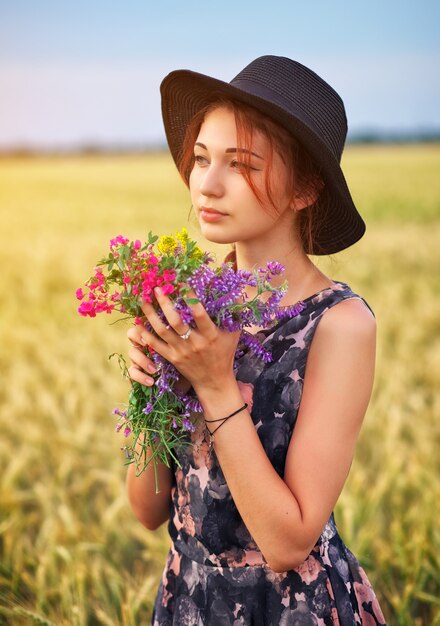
[(216, 183)]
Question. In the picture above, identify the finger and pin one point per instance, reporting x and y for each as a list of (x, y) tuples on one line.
[(172, 316), (139, 358), (137, 341), (134, 336), (164, 330), (139, 376), (203, 322), (155, 342)]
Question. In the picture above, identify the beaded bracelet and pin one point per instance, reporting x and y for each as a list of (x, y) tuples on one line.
[(211, 434)]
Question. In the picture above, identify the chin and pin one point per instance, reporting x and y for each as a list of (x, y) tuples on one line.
[(216, 237)]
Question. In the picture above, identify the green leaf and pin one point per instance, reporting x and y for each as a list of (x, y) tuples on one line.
[(152, 238), (192, 301)]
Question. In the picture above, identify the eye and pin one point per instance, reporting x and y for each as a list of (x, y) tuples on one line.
[(198, 158), (241, 165)]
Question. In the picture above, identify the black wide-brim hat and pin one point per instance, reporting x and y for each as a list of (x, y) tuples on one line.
[(300, 101)]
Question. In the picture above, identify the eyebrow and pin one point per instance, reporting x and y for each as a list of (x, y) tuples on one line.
[(202, 145)]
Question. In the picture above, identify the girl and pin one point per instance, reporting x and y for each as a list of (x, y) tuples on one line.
[(254, 540)]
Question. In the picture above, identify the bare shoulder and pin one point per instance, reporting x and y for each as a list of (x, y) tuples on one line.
[(350, 317), (344, 345), (343, 350)]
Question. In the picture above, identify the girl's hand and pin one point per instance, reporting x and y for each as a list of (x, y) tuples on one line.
[(142, 365), (206, 358)]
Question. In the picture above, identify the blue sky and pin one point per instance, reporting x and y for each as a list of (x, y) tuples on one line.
[(89, 72)]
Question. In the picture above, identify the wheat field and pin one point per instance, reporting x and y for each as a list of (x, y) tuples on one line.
[(71, 551)]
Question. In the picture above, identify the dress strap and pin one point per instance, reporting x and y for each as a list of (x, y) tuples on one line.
[(351, 295)]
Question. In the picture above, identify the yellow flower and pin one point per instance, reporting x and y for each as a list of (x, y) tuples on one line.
[(168, 244), (183, 236), (197, 253)]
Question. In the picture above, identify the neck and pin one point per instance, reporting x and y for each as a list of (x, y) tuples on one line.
[(303, 277)]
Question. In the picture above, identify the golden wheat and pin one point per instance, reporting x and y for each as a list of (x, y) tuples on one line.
[(71, 552)]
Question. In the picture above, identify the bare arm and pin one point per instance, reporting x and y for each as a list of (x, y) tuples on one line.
[(286, 517), (150, 508)]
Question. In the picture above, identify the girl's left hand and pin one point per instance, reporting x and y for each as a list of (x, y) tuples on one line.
[(206, 358)]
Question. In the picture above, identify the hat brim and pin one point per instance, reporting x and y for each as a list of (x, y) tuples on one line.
[(185, 92)]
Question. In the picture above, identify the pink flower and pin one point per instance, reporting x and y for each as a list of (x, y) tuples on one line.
[(87, 308), (79, 294), (126, 280), (104, 306), (151, 274), (99, 280), (119, 240), (99, 276), (169, 275), (153, 259), (127, 431), (137, 244), (167, 288)]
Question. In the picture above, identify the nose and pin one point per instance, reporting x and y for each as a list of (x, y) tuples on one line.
[(211, 181)]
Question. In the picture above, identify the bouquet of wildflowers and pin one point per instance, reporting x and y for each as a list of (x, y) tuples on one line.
[(159, 417)]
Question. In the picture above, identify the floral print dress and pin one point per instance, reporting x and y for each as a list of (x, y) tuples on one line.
[(215, 573)]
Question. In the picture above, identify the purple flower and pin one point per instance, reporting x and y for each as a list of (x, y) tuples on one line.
[(222, 292), (291, 311), (187, 425), (275, 268), (148, 408), (255, 346)]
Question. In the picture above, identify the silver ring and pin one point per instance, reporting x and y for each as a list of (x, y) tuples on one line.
[(187, 334)]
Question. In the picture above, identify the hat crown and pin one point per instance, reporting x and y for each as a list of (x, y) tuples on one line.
[(296, 88)]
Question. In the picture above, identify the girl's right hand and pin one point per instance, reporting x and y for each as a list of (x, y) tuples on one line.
[(142, 365)]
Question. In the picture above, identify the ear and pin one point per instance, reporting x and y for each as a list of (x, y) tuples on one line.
[(306, 197)]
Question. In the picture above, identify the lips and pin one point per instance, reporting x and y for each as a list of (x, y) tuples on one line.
[(213, 211)]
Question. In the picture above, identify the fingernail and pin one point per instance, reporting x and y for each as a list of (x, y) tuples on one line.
[(149, 381), (158, 291), (152, 369), (143, 340)]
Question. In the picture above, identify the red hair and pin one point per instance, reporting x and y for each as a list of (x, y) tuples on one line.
[(305, 174)]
